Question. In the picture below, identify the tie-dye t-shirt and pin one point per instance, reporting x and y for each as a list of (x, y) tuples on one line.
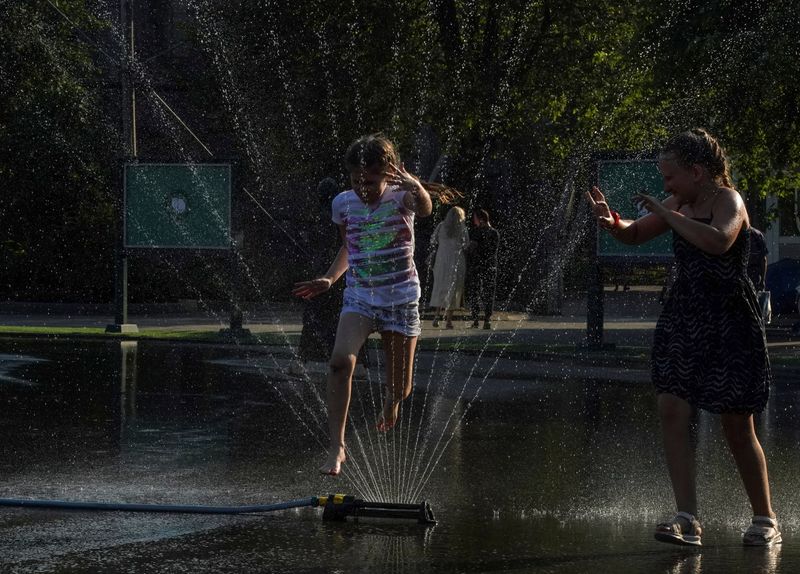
[(380, 247)]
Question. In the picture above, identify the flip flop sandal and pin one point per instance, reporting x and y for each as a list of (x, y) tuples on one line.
[(673, 532), (763, 531)]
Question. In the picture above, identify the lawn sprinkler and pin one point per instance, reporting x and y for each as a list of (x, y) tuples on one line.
[(337, 507)]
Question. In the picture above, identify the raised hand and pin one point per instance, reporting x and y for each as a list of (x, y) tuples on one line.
[(600, 209), (310, 289), (397, 175), (648, 202)]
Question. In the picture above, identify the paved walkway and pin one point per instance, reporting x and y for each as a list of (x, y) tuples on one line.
[(630, 318), (554, 341)]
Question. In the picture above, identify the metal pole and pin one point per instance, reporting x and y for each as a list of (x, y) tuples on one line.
[(594, 311), (131, 86), (594, 299), (121, 324), (236, 330)]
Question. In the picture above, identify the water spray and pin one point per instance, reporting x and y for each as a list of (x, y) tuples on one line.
[(336, 508)]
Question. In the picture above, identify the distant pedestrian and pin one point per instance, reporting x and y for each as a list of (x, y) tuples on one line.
[(450, 239), (709, 348), (321, 313), (757, 263), (484, 241), (757, 271)]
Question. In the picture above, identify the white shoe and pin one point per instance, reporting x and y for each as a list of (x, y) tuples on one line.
[(763, 531)]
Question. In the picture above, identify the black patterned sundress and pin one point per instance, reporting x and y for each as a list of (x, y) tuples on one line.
[(709, 346)]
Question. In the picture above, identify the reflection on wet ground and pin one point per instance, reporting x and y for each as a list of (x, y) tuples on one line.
[(558, 476)]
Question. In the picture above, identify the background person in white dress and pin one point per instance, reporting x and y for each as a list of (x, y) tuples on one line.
[(450, 238)]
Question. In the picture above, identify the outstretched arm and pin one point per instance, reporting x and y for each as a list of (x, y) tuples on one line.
[(310, 289), (631, 232), (716, 237)]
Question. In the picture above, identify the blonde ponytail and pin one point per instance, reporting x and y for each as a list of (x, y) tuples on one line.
[(697, 146)]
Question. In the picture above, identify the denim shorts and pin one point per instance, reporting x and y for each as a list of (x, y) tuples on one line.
[(402, 318)]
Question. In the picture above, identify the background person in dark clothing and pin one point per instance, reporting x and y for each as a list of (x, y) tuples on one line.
[(320, 314), (482, 267), (757, 264), (757, 271)]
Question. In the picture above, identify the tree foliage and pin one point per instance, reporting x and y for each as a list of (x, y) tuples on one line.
[(55, 207), (506, 100), (733, 66)]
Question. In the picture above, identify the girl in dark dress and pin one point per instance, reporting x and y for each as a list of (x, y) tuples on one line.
[(709, 349)]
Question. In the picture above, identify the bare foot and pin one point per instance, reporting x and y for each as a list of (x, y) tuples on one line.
[(391, 411), (333, 464)]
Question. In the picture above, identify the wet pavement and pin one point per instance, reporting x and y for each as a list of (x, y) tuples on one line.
[(525, 474)]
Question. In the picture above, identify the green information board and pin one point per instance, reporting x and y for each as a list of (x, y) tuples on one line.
[(178, 205), (620, 180)]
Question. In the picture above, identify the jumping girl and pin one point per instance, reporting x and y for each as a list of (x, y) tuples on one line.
[(376, 222)]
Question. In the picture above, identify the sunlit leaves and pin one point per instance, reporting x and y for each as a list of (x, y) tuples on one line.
[(55, 156)]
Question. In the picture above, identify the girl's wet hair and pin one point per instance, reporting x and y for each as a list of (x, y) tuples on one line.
[(371, 151), (376, 150), (697, 146)]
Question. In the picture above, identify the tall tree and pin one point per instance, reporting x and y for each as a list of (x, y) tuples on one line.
[(56, 206)]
